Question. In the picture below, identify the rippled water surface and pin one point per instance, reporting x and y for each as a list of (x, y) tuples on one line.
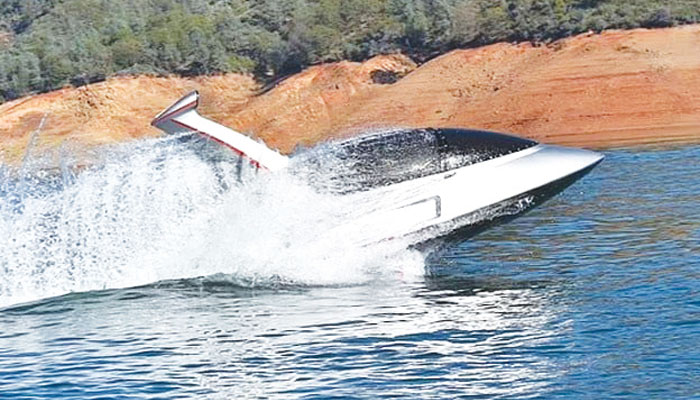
[(593, 295)]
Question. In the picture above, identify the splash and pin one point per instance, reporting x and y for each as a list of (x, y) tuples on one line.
[(155, 210), (176, 208)]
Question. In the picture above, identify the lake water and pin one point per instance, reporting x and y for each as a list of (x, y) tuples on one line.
[(183, 290)]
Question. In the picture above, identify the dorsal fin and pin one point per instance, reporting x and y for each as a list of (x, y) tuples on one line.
[(183, 117)]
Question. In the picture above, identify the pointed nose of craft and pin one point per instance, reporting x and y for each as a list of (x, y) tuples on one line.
[(568, 160)]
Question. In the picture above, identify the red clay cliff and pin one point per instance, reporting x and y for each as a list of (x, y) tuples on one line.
[(618, 88)]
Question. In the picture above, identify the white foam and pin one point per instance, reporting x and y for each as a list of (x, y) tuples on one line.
[(156, 211)]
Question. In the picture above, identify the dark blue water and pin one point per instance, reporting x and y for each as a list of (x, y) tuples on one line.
[(594, 295)]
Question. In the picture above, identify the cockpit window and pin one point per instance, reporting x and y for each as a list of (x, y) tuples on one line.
[(460, 147), (395, 156), (392, 158)]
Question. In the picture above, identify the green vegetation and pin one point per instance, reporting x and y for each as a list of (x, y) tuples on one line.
[(46, 44)]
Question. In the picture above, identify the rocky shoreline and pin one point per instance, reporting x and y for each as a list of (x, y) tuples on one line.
[(618, 88)]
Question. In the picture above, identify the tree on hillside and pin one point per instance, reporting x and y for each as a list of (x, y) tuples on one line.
[(45, 44)]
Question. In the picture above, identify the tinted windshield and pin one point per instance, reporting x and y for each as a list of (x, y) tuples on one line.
[(396, 156), (460, 147)]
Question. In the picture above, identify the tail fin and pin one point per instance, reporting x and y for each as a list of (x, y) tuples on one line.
[(183, 117)]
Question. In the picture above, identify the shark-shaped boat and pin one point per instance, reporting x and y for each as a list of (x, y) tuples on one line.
[(440, 180)]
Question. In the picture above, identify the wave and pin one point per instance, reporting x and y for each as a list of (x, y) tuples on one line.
[(157, 210)]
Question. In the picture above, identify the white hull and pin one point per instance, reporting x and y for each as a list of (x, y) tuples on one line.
[(435, 197), (439, 204)]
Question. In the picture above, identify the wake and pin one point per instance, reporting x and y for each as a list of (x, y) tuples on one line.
[(155, 210)]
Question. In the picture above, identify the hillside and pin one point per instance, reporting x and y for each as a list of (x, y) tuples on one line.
[(47, 44), (617, 88)]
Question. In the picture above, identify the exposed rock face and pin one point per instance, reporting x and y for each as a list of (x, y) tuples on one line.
[(313, 104), (614, 89), (109, 112)]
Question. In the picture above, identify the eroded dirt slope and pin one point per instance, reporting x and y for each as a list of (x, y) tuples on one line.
[(114, 111), (617, 88)]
